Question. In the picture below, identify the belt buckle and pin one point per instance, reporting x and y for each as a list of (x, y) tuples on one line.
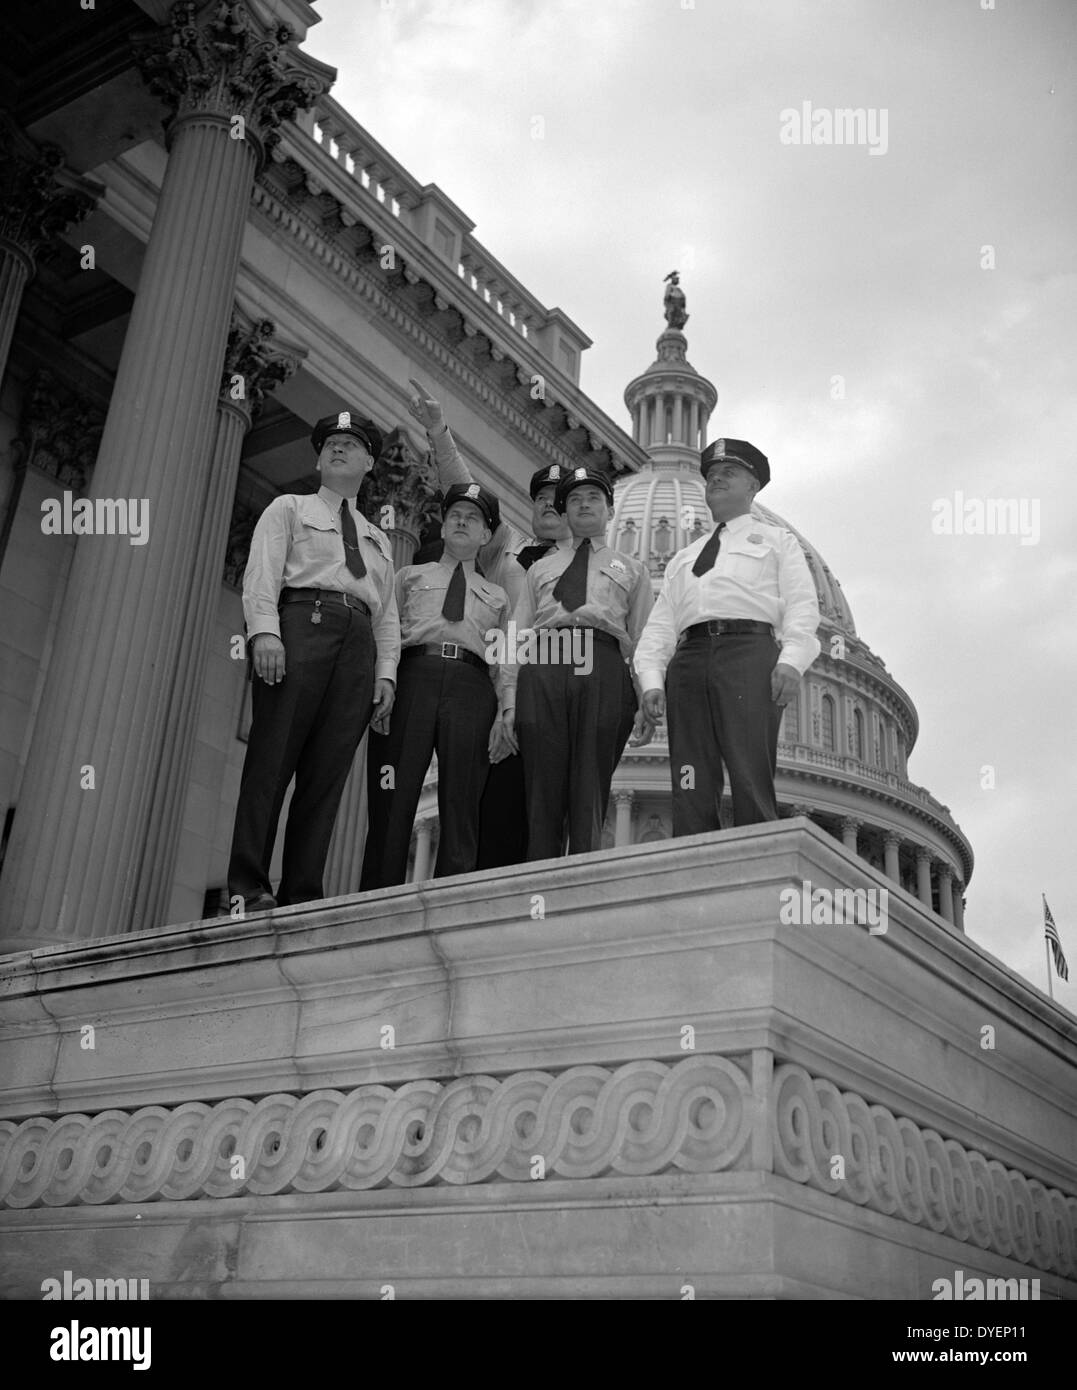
[(454, 654), (716, 626)]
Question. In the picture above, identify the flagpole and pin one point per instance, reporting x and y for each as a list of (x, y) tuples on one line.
[(1050, 987)]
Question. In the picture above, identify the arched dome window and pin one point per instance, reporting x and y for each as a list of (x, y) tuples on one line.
[(828, 723), (628, 541), (857, 750), (663, 537)]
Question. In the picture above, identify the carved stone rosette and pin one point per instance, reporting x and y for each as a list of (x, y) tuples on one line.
[(219, 60)]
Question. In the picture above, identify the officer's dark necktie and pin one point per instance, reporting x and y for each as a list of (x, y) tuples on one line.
[(352, 558), (530, 553), (570, 591), (453, 607), (707, 556)]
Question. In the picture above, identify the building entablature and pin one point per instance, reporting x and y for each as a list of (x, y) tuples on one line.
[(373, 250)]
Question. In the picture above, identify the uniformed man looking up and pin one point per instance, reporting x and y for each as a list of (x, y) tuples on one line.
[(575, 704), (323, 636), (731, 634), (446, 701)]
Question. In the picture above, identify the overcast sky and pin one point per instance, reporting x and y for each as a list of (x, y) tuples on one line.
[(661, 147)]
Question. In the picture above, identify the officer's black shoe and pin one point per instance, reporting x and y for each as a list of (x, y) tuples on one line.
[(262, 902)]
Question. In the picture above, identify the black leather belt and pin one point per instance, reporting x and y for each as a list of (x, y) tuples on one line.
[(448, 651), (717, 626), (596, 632), (324, 596)]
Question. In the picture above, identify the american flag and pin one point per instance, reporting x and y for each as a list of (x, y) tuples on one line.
[(1051, 933)]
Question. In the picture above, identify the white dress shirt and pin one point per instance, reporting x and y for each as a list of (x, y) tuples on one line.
[(298, 544), (760, 573)]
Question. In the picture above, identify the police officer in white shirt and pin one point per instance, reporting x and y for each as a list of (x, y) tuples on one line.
[(324, 639), (730, 636)]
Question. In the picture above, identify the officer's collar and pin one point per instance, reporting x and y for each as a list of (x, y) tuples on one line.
[(742, 522), (333, 499), (450, 564)]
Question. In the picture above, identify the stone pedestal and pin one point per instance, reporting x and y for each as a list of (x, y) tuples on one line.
[(645, 1087)]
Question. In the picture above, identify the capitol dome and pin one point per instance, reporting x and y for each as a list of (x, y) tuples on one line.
[(846, 737)]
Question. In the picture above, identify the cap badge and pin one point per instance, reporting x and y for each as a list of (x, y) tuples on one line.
[(344, 420), (719, 446), (473, 491), (555, 471), (580, 473)]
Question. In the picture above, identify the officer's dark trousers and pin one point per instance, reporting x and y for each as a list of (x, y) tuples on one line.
[(572, 730), (718, 708), (444, 706), (503, 816), (309, 726)]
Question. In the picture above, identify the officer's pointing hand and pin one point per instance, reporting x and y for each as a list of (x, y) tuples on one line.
[(424, 407), (268, 654), (654, 705), (783, 684)]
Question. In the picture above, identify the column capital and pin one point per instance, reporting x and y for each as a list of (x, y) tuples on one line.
[(39, 196), (249, 355), (850, 823), (892, 838), (404, 478), (220, 60), (59, 431), (924, 856), (624, 798)]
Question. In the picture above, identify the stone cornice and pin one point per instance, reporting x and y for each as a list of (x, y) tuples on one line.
[(321, 208)]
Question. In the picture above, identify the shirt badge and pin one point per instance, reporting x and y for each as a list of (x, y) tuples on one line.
[(618, 565), (755, 538), (344, 420)]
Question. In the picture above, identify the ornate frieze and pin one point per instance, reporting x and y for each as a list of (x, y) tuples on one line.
[(645, 1117), (901, 1169), (219, 60)]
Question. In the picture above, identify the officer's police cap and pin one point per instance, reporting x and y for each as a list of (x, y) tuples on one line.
[(736, 451), (549, 476), (578, 477), (480, 496), (347, 422)]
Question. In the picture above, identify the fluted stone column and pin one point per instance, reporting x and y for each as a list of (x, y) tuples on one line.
[(678, 420), (891, 857), (923, 877), (39, 199), (423, 830), (849, 828), (622, 831), (946, 892), (80, 855), (959, 905), (401, 497), (252, 370)]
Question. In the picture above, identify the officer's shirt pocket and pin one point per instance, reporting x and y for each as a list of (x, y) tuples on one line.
[(613, 589), (746, 561), (425, 598), (485, 606), (315, 540)]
